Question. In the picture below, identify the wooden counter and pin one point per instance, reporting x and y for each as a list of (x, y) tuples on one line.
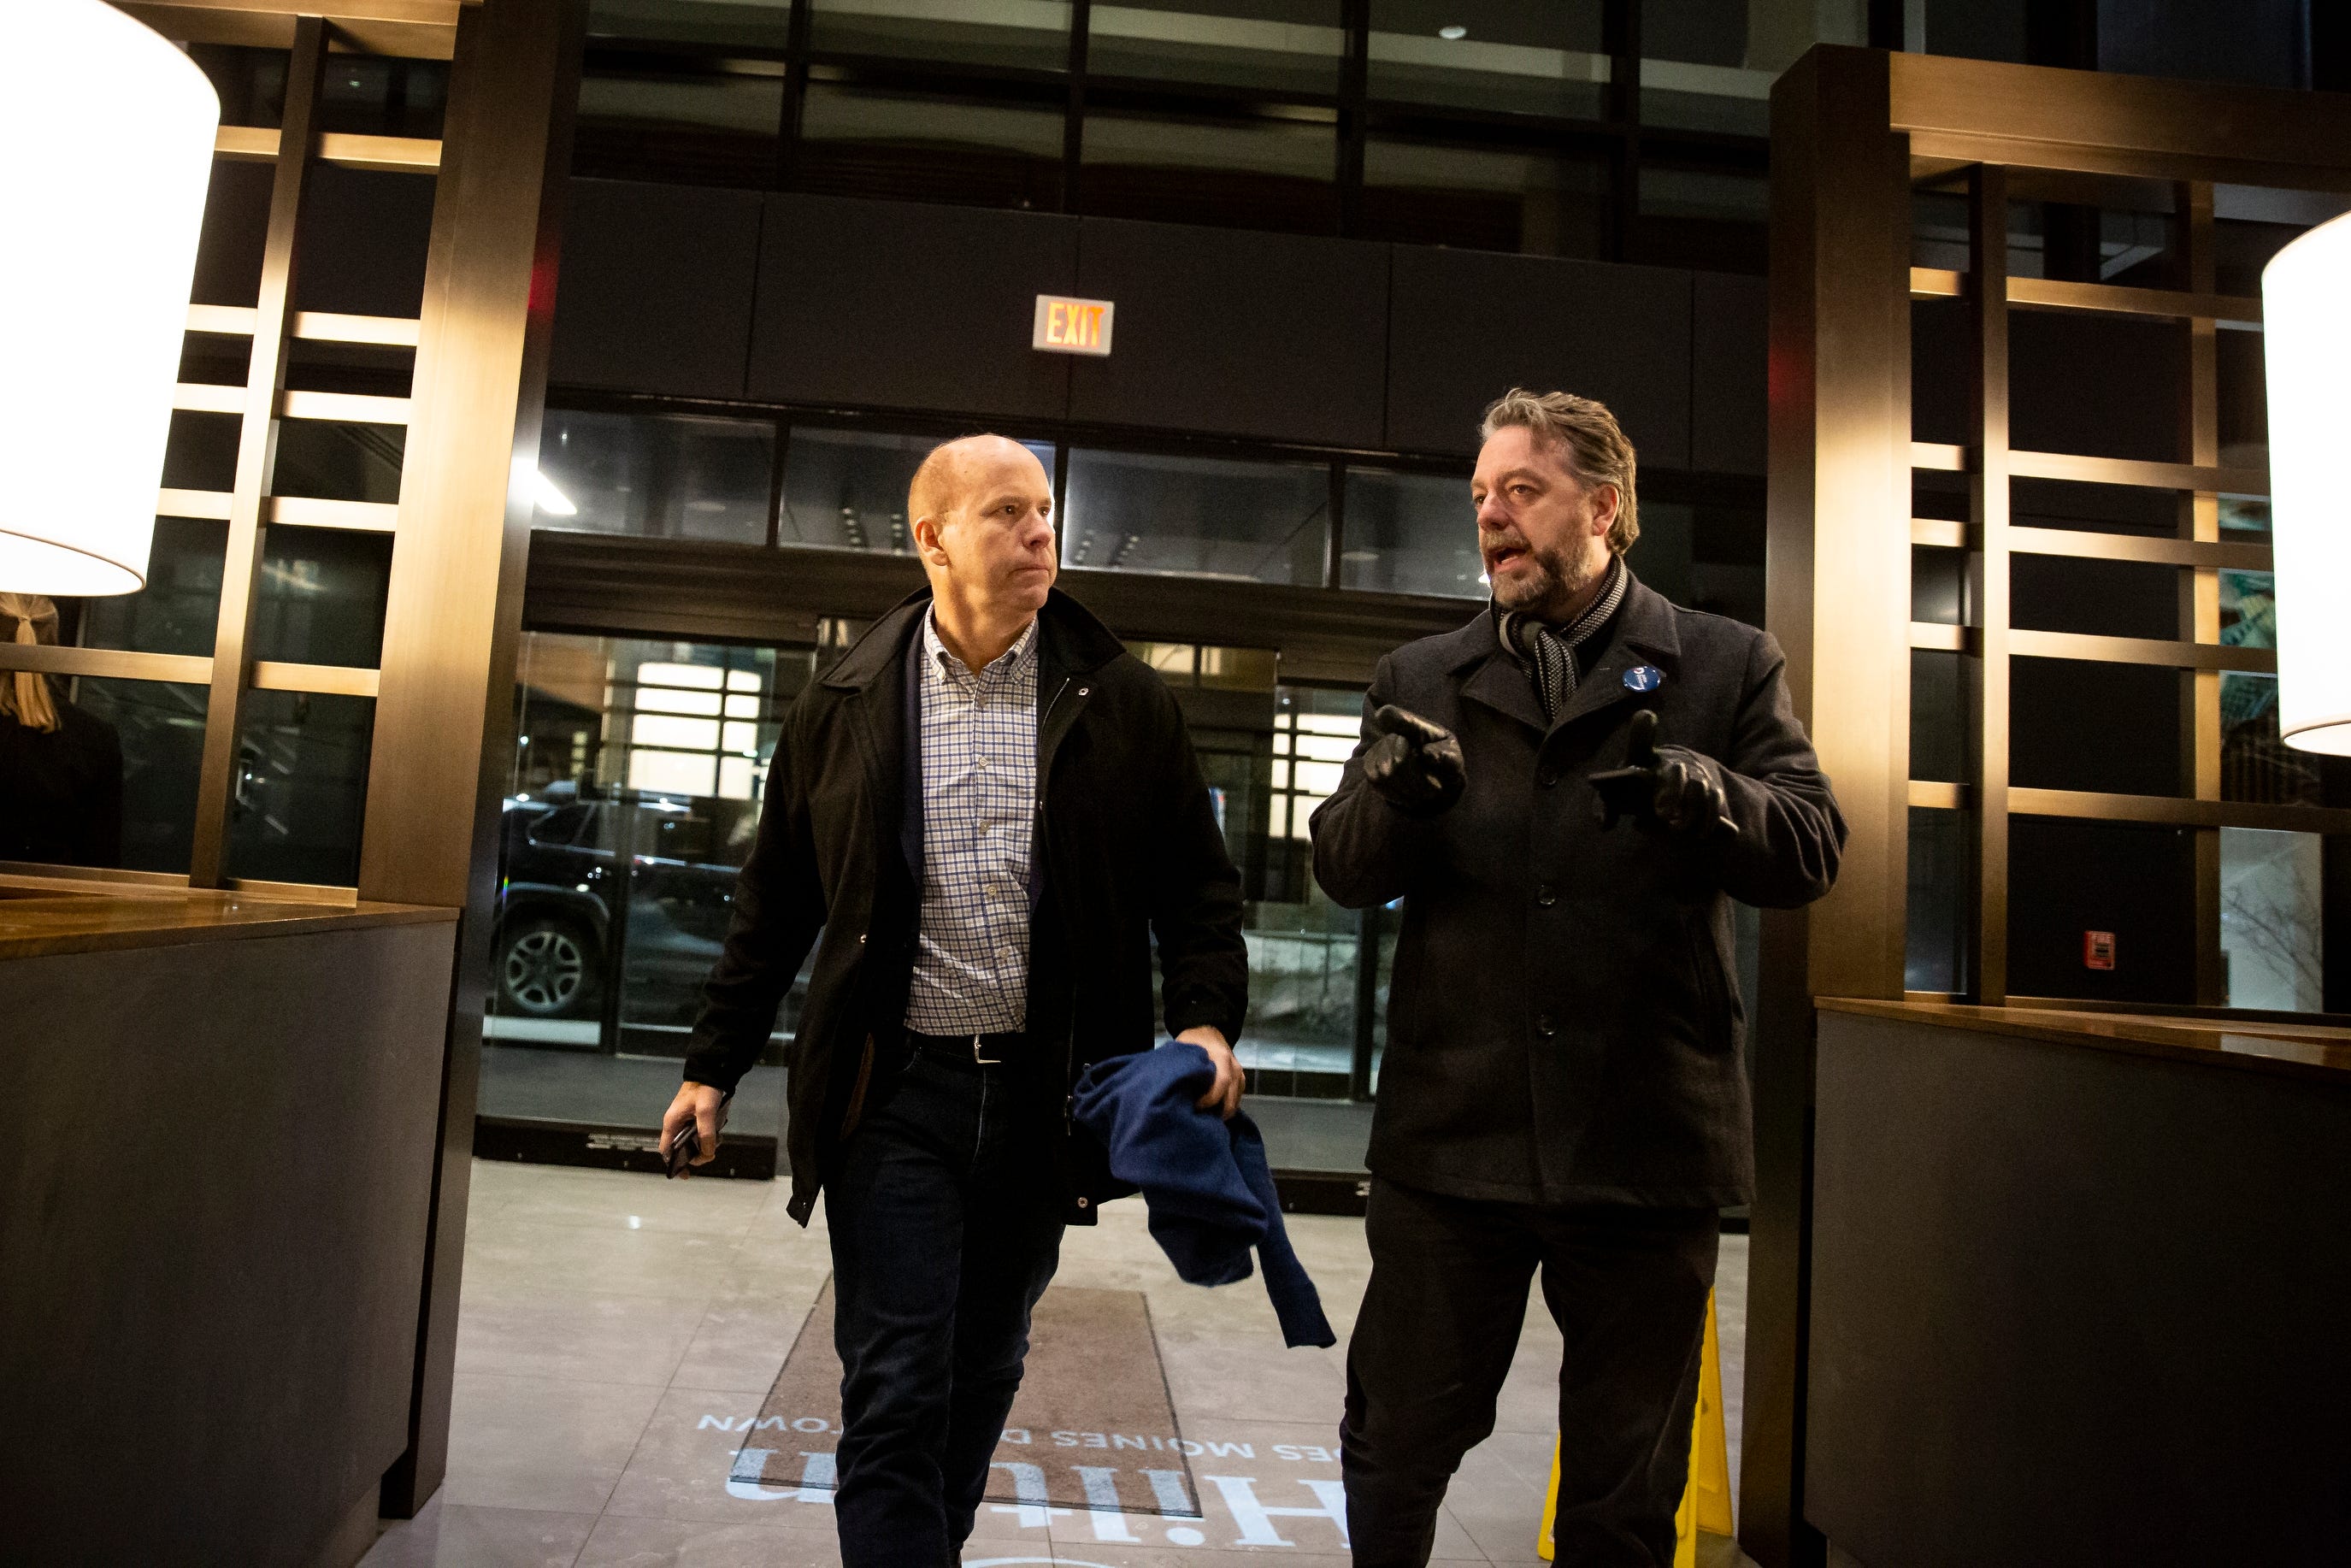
[(2315, 1052), (2076, 1288), (218, 1123), (60, 914)]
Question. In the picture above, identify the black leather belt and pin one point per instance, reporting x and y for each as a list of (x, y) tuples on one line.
[(967, 1050)]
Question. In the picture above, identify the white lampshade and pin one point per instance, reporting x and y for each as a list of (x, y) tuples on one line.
[(2306, 338), (109, 133)]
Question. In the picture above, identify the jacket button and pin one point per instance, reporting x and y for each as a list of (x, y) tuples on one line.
[(1082, 1203), (1545, 1027), (1546, 896), (861, 939), (1546, 778)]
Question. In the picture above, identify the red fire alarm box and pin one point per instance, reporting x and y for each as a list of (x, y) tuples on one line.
[(2097, 949)]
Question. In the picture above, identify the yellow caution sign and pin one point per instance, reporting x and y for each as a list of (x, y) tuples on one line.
[(1706, 1502)]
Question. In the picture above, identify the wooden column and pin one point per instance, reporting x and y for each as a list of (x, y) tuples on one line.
[(452, 615), (2200, 587), (1987, 511), (1838, 598), (256, 451)]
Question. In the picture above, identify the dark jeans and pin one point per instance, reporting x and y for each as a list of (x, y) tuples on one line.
[(1435, 1337), (946, 1224)]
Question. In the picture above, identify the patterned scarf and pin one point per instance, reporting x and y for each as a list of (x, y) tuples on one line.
[(1549, 652)]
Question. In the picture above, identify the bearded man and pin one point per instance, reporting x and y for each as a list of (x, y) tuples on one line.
[(1563, 1088)]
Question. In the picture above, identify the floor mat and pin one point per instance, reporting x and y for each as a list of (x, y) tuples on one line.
[(1093, 1427)]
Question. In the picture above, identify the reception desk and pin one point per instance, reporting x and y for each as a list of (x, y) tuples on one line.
[(2080, 1289), (217, 1122)]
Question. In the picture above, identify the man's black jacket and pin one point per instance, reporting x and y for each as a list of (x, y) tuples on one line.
[(1127, 844), (1564, 1022)]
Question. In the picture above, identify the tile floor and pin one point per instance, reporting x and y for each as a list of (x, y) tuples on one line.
[(616, 1327)]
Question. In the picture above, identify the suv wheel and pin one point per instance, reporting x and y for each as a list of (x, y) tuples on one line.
[(545, 968)]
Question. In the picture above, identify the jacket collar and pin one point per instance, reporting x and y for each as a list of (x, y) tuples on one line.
[(1645, 632), (1071, 639)]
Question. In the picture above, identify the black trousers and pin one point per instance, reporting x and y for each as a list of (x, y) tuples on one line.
[(1434, 1339), (945, 1222)]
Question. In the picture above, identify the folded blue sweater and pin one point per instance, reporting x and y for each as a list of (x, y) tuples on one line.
[(1204, 1179)]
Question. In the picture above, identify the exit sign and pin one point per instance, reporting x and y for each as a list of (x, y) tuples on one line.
[(1072, 326)]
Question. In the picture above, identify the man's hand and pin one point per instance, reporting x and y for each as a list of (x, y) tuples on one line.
[(1416, 766), (1223, 1096), (1690, 797), (1667, 788), (698, 1104)]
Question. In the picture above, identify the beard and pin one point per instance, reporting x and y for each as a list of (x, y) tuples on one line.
[(1551, 580)]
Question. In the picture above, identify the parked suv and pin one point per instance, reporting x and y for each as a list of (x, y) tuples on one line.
[(570, 859)]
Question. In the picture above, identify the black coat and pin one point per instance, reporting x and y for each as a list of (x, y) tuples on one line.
[(1563, 1019), (1128, 849)]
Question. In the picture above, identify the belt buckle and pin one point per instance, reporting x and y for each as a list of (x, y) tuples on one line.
[(983, 1061)]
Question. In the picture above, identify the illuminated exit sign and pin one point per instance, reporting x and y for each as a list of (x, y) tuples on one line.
[(1072, 326)]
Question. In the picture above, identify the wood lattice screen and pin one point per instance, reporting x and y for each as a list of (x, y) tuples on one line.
[(1902, 125)]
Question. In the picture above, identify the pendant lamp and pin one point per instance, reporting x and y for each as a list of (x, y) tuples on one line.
[(2306, 338), (112, 128)]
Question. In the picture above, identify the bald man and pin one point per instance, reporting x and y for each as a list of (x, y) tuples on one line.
[(982, 817)]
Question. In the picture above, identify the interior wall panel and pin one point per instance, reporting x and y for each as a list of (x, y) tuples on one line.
[(656, 288), (1730, 338), (903, 305), (1468, 325), (1269, 336)]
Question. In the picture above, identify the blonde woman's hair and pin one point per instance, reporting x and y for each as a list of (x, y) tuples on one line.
[(25, 693), (1589, 435)]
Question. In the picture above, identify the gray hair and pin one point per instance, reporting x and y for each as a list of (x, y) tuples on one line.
[(1589, 435)]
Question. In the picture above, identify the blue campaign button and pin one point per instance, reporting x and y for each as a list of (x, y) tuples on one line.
[(1644, 678)]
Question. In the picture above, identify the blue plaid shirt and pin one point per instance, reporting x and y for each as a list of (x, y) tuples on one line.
[(979, 806)]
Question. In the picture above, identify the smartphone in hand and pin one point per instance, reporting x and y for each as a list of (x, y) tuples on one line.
[(688, 1142)]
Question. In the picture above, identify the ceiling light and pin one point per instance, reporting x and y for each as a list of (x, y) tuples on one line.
[(1453, 33), (113, 138), (2306, 337)]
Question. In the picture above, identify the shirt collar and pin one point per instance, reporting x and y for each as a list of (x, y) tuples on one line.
[(1007, 666)]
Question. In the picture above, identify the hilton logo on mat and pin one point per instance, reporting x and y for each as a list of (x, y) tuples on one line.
[(1072, 326)]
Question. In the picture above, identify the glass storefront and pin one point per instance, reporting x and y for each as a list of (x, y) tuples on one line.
[(639, 770)]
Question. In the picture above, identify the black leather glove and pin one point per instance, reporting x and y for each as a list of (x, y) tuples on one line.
[(1416, 766), (1670, 789)]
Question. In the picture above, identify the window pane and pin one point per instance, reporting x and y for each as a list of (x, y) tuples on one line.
[(380, 96), (1702, 71), (2271, 919), (1937, 937), (652, 117), (1208, 516), (301, 788), (179, 610), (321, 596), (614, 899), (1484, 198), (1031, 34), (1411, 533), (1700, 219), (665, 476), (1279, 45), (200, 453), (1542, 59), (115, 784), (846, 489), (861, 141), (1249, 170), (336, 462)]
